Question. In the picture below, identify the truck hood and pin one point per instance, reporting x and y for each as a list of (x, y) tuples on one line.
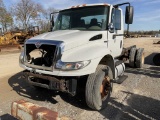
[(71, 38)]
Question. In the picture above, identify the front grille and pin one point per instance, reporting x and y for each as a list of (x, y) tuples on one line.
[(40, 58)]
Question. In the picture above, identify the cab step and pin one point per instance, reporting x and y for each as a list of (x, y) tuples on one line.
[(120, 79)]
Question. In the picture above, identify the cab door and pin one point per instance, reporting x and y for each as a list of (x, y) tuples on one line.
[(115, 36)]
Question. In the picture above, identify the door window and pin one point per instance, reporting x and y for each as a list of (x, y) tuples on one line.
[(116, 18)]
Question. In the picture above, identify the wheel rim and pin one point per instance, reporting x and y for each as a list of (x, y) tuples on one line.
[(105, 87)]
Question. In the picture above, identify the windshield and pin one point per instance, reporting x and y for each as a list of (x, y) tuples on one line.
[(86, 18)]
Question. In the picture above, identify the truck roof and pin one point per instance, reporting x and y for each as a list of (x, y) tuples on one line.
[(85, 5)]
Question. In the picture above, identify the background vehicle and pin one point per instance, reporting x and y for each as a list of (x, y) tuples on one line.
[(32, 31), (17, 36), (85, 44)]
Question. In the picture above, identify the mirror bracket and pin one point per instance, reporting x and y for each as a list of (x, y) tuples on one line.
[(128, 8), (52, 20), (111, 27)]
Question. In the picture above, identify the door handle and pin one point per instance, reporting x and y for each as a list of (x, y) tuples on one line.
[(114, 36)]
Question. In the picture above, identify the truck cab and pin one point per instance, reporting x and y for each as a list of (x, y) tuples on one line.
[(96, 20), (85, 40)]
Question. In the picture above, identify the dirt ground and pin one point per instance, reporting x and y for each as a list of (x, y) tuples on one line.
[(138, 97)]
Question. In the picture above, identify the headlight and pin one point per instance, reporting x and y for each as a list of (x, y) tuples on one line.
[(71, 65), (21, 58)]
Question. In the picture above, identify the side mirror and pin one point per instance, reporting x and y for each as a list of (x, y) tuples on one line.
[(51, 21), (129, 15), (111, 27)]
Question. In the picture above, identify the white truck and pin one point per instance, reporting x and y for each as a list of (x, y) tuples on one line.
[(85, 44)]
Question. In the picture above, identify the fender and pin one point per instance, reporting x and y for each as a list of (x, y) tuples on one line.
[(109, 61), (95, 53)]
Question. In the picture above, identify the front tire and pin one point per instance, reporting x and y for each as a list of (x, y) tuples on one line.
[(98, 88)]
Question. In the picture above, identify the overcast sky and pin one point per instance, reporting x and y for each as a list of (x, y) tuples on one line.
[(146, 12)]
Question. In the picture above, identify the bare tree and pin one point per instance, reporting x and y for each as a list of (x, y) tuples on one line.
[(5, 17), (25, 11), (45, 18)]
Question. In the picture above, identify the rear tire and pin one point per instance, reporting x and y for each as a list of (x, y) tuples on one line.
[(140, 58), (98, 88), (132, 57), (156, 59)]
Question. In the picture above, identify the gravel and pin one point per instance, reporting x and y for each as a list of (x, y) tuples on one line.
[(136, 98)]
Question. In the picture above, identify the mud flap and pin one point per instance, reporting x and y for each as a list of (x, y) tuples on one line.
[(72, 86)]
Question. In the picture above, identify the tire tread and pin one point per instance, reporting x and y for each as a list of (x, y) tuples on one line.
[(132, 57), (139, 54), (90, 88)]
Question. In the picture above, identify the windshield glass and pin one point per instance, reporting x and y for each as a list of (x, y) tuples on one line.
[(86, 18)]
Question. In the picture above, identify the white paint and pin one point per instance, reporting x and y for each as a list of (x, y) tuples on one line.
[(77, 47)]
